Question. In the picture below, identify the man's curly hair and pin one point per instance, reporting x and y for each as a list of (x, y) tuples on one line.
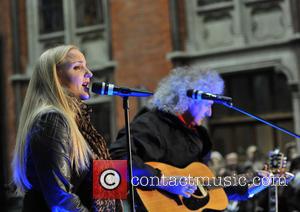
[(170, 95)]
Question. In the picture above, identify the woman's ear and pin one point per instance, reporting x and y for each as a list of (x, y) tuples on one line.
[(60, 71)]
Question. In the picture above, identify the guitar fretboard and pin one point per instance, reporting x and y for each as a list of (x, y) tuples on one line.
[(235, 180), (219, 181)]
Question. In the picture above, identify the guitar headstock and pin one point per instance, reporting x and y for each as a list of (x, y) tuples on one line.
[(277, 163)]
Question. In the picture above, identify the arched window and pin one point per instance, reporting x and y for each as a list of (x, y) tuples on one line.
[(86, 25)]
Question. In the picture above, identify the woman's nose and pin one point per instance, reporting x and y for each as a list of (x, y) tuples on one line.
[(88, 73)]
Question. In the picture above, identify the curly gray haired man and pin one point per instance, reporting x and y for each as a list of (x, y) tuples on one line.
[(169, 130)]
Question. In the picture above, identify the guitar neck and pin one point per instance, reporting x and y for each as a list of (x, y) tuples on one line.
[(220, 181)]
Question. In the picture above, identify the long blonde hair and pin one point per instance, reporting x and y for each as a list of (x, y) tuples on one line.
[(45, 93)]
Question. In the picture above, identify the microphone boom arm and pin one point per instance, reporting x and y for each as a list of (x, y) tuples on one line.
[(230, 105)]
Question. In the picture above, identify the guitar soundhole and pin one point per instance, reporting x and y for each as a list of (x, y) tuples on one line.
[(194, 203)]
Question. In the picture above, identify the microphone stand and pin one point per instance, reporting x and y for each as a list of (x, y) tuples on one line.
[(110, 89), (129, 161), (230, 105)]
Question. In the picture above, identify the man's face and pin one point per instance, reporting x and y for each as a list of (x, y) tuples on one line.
[(201, 110)]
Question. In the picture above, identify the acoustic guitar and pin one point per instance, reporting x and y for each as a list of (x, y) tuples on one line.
[(277, 165), (209, 194)]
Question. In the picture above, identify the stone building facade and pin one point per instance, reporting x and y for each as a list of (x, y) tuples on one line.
[(253, 43)]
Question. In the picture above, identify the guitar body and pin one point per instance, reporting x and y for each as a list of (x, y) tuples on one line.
[(214, 199)]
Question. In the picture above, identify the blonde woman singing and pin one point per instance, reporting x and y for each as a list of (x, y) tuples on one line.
[(56, 141)]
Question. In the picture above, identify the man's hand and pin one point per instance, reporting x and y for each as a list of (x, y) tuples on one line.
[(177, 185)]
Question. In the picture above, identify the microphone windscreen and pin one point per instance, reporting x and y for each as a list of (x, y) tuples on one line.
[(97, 87), (190, 93)]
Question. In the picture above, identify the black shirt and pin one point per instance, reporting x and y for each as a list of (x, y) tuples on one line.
[(162, 137)]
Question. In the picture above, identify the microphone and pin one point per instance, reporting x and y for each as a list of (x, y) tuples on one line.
[(196, 94), (103, 88)]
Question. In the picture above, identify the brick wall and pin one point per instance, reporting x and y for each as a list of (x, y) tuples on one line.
[(141, 38), (9, 108)]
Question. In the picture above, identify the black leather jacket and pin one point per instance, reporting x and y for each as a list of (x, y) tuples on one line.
[(55, 185)]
